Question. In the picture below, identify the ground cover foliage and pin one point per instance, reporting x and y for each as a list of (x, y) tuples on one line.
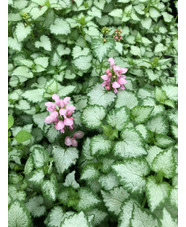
[(124, 170)]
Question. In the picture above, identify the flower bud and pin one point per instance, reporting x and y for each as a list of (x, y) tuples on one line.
[(78, 134), (108, 87)]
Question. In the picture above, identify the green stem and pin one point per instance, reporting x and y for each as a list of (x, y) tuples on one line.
[(83, 34), (101, 66), (144, 202)]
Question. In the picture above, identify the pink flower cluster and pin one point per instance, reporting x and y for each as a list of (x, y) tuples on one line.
[(113, 77), (60, 113), (118, 36), (72, 141)]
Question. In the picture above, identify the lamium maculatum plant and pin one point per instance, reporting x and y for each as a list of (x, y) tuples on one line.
[(93, 113)]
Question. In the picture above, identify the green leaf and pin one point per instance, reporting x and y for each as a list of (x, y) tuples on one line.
[(99, 145), (95, 12), (118, 118), (29, 166), (41, 63), (154, 13), (70, 181), (66, 90), (14, 44), (44, 43), (159, 48), (126, 98), (18, 215), (40, 157), (126, 213), (99, 215), (23, 71), (135, 51), (62, 50), (174, 130), (93, 115), (76, 220), (37, 176), (22, 32), (171, 92), (78, 2), (116, 13), (83, 63), (141, 113), (163, 141), (114, 199), (10, 121), (89, 172), (87, 199), (131, 144), (131, 173), (167, 220), (167, 17), (146, 23), (64, 158), (22, 136), (142, 218), (156, 193), (35, 95), (152, 153), (60, 27), (16, 194), (158, 124), (37, 12), (101, 49), (160, 95), (164, 162), (108, 181), (55, 217), (78, 51), (39, 119), (49, 188), (35, 206), (99, 96)]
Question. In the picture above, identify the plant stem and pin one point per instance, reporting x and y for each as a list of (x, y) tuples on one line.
[(144, 202)]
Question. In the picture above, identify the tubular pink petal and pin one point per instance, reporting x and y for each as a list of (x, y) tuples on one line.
[(74, 142), (115, 84), (68, 121), (62, 112), (68, 141), (55, 97), (104, 77), (48, 120), (60, 125)]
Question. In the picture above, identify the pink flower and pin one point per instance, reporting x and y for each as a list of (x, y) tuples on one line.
[(54, 115), (71, 108), (121, 81), (62, 111), (48, 120), (66, 100), (124, 70), (115, 85), (60, 125), (108, 87), (78, 134), (111, 61), (74, 142), (104, 77), (55, 97), (68, 141), (50, 106), (69, 121), (107, 71)]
